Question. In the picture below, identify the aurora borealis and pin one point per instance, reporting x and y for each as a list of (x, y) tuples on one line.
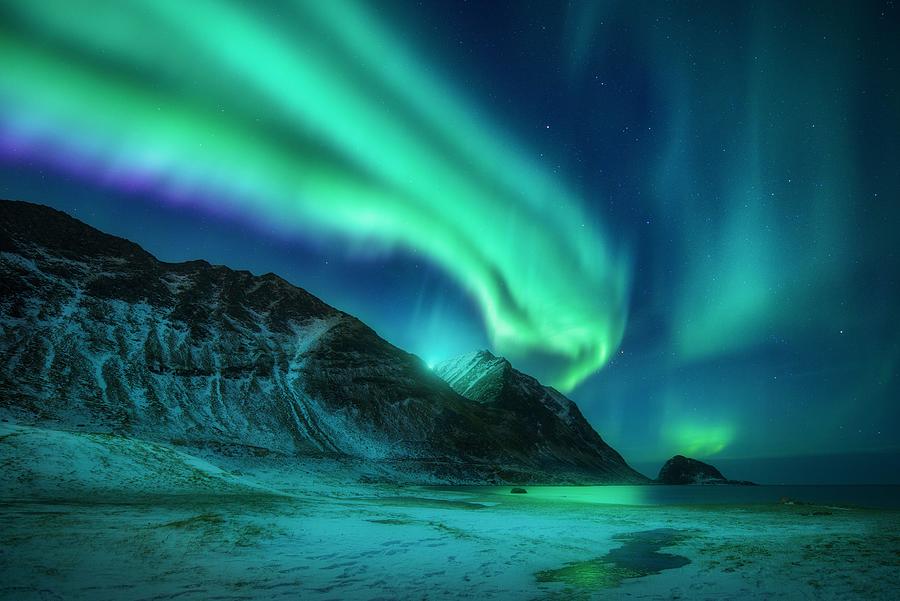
[(311, 145), (683, 215)]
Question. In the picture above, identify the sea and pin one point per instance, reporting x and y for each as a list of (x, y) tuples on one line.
[(861, 496)]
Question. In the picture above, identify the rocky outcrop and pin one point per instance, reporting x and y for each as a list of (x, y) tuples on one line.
[(684, 470), (96, 333)]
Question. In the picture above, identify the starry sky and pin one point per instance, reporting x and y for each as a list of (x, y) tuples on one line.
[(683, 215)]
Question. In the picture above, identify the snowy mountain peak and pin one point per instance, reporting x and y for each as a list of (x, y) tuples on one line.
[(466, 372), (547, 417)]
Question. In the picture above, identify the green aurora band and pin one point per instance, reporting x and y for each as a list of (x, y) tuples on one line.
[(317, 123)]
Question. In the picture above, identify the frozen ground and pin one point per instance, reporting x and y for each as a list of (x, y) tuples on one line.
[(99, 517)]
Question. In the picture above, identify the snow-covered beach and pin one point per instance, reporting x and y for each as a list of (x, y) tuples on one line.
[(93, 518)]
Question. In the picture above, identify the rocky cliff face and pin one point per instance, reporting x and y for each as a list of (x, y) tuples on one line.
[(545, 420), (96, 333)]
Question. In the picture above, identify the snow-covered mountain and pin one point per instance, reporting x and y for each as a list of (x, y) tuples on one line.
[(546, 420), (98, 335)]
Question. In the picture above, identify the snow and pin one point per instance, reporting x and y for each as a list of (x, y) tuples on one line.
[(464, 372), (53, 464), (100, 517)]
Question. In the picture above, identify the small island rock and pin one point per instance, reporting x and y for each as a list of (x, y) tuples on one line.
[(684, 470)]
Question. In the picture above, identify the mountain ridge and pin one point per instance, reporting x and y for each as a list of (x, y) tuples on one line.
[(549, 418), (94, 330)]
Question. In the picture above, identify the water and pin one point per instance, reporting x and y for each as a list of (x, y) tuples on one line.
[(638, 556), (873, 496)]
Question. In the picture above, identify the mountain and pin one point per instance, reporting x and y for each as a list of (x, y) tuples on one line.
[(98, 335), (545, 419), (684, 470)]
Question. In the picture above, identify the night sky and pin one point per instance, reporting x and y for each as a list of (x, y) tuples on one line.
[(684, 215)]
